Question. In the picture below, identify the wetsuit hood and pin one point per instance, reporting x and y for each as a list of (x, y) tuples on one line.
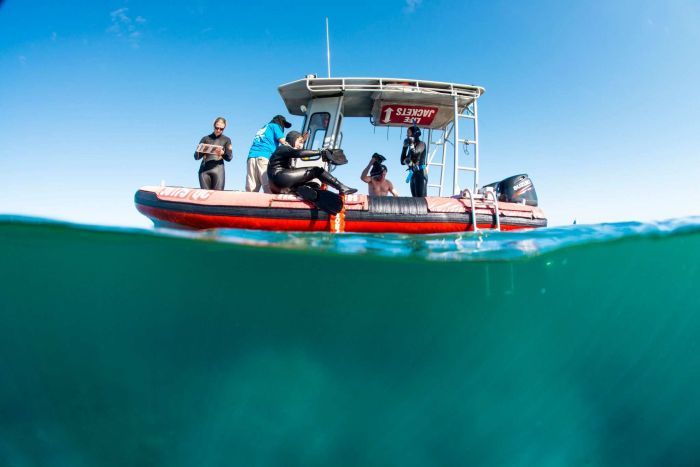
[(415, 132), (292, 137)]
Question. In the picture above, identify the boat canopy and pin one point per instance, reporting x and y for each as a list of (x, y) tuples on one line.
[(387, 101), (435, 106)]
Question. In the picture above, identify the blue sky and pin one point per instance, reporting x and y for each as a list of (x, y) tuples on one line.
[(597, 101)]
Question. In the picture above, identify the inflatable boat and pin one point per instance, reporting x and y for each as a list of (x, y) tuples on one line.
[(448, 115), (206, 209)]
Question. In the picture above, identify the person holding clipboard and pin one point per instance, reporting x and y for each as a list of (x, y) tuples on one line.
[(213, 149)]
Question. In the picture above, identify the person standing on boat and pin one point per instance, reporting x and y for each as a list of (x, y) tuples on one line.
[(282, 176), (266, 141), (211, 170), (414, 155), (377, 183)]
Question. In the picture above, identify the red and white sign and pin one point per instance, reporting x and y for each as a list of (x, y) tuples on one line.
[(407, 114)]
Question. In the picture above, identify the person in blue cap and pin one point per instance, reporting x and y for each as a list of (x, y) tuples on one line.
[(266, 141)]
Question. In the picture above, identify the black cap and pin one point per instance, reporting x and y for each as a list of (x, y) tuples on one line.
[(292, 137), (281, 121)]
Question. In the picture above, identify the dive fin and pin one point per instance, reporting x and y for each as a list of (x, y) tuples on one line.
[(306, 193), (329, 202), (324, 200)]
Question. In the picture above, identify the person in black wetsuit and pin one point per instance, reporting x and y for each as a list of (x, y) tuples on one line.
[(414, 156), (282, 176), (211, 171)]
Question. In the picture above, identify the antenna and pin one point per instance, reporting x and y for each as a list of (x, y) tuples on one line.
[(328, 48)]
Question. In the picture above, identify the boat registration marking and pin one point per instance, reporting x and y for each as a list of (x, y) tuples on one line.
[(184, 193)]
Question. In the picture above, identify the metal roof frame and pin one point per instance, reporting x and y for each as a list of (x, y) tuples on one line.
[(360, 94), (359, 98)]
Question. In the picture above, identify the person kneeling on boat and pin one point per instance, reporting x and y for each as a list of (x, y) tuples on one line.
[(413, 155), (374, 176), (213, 149), (285, 178)]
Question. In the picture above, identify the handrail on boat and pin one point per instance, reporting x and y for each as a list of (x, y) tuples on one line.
[(473, 205), (407, 86), (489, 191)]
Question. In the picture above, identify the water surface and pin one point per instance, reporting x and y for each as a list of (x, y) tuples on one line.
[(562, 346)]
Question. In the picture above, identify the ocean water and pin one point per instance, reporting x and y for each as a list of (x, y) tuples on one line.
[(557, 347)]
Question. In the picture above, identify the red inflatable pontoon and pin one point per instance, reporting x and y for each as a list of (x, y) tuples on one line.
[(207, 209)]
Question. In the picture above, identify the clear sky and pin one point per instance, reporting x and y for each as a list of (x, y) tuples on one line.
[(598, 101)]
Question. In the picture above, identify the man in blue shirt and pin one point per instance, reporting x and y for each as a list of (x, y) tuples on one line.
[(264, 144)]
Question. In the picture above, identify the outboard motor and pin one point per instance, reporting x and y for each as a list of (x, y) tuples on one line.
[(518, 189), (496, 186), (515, 189)]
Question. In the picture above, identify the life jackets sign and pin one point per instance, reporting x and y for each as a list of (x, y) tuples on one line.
[(407, 114)]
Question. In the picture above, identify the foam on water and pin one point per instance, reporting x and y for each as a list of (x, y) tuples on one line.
[(479, 246)]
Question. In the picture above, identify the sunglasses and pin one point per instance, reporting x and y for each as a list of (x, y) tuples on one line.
[(220, 128)]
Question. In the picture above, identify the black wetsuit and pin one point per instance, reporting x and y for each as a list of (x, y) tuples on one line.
[(211, 172), (282, 175), (417, 156)]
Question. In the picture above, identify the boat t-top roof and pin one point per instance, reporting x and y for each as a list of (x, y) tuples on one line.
[(388, 101)]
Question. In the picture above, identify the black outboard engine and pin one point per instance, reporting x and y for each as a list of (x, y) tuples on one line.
[(518, 189), (496, 186), (515, 189)]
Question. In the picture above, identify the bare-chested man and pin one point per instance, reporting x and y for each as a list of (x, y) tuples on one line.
[(377, 183)]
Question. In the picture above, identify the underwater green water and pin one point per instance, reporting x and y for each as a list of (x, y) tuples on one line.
[(559, 347)]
